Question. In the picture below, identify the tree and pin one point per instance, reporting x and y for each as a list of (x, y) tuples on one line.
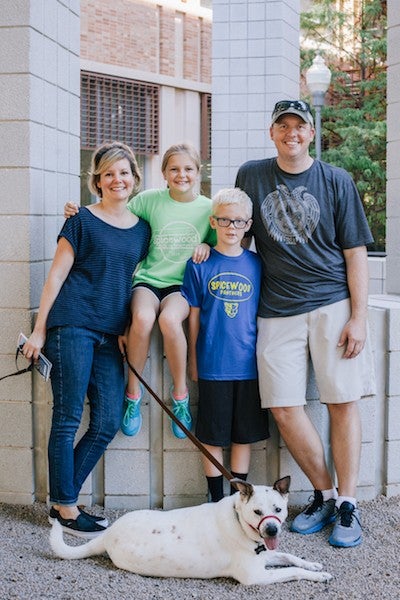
[(354, 119)]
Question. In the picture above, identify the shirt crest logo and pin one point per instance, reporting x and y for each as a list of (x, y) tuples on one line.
[(231, 309), (290, 217)]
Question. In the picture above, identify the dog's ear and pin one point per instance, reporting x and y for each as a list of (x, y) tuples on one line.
[(245, 488), (282, 485)]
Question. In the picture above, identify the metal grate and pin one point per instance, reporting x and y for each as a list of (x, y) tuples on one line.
[(114, 108), (205, 118)]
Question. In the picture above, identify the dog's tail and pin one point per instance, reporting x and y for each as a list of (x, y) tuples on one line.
[(61, 549)]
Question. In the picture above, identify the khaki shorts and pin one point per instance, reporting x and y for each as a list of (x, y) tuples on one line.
[(285, 346)]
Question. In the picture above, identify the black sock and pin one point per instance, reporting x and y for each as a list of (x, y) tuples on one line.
[(216, 488), (242, 476)]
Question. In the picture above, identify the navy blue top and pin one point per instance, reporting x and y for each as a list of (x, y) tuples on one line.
[(301, 224), (226, 289), (97, 291)]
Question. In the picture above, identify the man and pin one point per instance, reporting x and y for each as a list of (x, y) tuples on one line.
[(311, 233)]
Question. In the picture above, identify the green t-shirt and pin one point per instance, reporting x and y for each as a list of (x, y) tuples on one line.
[(176, 229)]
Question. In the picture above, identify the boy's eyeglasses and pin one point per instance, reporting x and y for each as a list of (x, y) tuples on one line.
[(296, 104), (237, 223)]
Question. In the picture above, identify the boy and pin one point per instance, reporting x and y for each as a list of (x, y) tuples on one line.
[(223, 295)]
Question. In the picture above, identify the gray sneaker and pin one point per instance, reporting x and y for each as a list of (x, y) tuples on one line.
[(316, 516), (347, 529)]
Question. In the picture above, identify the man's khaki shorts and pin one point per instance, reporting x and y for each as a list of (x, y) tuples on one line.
[(285, 346)]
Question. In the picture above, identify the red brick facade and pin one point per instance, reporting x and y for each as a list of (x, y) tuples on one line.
[(167, 42), (141, 35)]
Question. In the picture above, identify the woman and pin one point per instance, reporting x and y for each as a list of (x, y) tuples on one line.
[(83, 308)]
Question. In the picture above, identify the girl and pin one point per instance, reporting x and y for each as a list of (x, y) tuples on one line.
[(96, 255), (179, 221)]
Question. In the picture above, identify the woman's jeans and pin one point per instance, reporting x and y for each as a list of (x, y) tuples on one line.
[(85, 362)]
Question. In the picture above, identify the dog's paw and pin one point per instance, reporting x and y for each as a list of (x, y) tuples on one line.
[(312, 566), (325, 577)]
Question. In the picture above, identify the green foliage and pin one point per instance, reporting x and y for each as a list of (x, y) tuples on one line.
[(354, 119)]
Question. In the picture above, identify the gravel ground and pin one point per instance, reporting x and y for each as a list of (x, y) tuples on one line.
[(30, 571)]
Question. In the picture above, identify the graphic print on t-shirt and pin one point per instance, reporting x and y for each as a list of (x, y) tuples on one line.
[(290, 217), (176, 241), (231, 288)]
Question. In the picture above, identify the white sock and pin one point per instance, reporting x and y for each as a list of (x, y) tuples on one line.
[(341, 499), (329, 494)]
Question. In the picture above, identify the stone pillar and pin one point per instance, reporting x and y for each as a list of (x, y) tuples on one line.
[(393, 150), (39, 170), (255, 62)]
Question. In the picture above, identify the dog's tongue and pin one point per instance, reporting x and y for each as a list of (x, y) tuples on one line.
[(271, 543)]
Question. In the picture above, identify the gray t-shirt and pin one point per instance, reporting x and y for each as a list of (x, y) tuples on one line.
[(301, 225)]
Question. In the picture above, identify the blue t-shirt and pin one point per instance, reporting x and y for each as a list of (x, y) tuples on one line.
[(97, 291), (226, 289), (301, 224)]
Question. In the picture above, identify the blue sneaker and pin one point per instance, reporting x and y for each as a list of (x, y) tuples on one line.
[(181, 410), (347, 529), (316, 516), (132, 419)]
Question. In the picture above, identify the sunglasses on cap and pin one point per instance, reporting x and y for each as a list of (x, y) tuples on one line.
[(297, 104), (296, 107)]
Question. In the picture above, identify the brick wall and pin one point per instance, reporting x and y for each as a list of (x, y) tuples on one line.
[(141, 35), (205, 50), (167, 42), (191, 48)]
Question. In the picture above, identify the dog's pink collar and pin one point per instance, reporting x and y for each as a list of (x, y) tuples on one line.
[(269, 517), (262, 520)]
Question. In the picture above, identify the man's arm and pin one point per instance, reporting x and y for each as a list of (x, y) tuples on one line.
[(355, 331)]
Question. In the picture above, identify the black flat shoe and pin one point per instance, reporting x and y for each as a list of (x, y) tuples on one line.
[(82, 526), (54, 514)]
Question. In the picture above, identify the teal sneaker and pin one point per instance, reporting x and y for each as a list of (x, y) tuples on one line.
[(347, 529), (181, 410), (316, 516), (132, 419)]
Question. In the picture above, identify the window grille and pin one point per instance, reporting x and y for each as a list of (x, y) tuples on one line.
[(205, 112), (114, 108)]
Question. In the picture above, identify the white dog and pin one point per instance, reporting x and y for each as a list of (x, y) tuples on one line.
[(236, 537)]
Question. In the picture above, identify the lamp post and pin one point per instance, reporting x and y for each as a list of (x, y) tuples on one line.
[(318, 78)]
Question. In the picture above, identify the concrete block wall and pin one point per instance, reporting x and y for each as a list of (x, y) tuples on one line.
[(39, 166), (393, 148), (389, 307), (377, 274), (255, 63), (154, 469)]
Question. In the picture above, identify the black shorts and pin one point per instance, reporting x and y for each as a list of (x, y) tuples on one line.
[(161, 293), (230, 411)]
